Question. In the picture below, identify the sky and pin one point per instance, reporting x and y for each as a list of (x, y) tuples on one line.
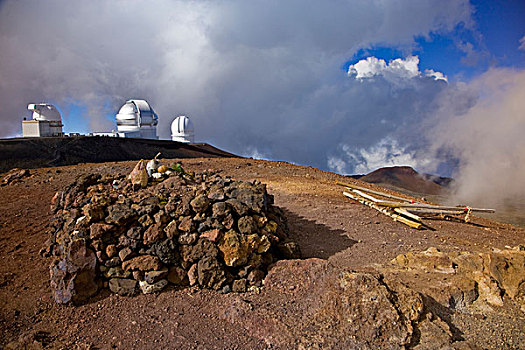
[(343, 85)]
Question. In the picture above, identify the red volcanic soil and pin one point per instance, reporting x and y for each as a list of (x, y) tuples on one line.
[(334, 233)]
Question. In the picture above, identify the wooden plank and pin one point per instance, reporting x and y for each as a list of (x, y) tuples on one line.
[(410, 204), (385, 211), (407, 214)]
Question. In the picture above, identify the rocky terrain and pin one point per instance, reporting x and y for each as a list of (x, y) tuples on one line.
[(364, 281), (198, 230)]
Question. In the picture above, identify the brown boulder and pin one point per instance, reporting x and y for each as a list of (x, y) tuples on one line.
[(142, 263), (153, 234), (73, 278), (97, 231)]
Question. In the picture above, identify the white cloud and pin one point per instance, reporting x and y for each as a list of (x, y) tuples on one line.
[(522, 44), (393, 71), (386, 152)]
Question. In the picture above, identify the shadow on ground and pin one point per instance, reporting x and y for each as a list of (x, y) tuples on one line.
[(316, 240)]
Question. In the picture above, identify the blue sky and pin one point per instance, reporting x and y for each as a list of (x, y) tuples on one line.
[(495, 37)]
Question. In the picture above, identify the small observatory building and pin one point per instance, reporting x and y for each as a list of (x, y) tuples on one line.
[(136, 118), (46, 121), (182, 130)]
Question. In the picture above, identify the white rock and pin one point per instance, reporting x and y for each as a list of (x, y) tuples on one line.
[(147, 288)]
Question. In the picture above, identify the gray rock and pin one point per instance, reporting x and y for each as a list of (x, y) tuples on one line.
[(113, 262), (210, 273), (220, 209), (73, 278), (238, 206), (166, 251), (123, 286), (134, 233), (119, 214), (216, 194), (200, 203), (148, 205), (239, 286), (256, 201), (156, 287), (125, 254), (116, 272), (152, 277), (247, 225)]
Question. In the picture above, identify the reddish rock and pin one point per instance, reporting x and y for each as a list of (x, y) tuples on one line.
[(153, 234), (186, 224), (178, 276), (111, 251), (142, 263), (212, 235), (193, 275), (96, 231), (171, 230), (73, 278)]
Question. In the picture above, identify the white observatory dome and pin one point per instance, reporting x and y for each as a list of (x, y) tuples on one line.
[(182, 129), (44, 112), (136, 118)]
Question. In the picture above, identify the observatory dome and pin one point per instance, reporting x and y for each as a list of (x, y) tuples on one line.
[(136, 118), (44, 112), (182, 129)]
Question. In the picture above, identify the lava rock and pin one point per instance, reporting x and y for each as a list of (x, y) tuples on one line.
[(152, 277), (156, 287), (247, 225), (153, 234), (73, 278), (134, 233), (200, 203), (98, 231), (119, 214), (142, 263), (123, 286), (178, 276)]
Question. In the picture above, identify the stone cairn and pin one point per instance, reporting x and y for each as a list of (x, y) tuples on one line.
[(200, 230)]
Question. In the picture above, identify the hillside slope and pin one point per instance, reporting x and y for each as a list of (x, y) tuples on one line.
[(41, 152), (405, 177), (340, 295)]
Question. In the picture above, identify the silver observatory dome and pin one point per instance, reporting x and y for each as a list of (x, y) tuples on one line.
[(136, 118), (182, 130)]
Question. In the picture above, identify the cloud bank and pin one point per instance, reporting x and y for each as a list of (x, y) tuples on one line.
[(486, 138), (258, 77)]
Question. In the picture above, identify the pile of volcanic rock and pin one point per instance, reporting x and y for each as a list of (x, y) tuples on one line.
[(200, 230)]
